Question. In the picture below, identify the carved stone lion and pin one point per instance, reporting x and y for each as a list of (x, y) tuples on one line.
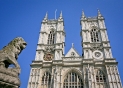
[(9, 54)]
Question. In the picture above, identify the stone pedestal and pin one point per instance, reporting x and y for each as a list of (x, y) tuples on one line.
[(8, 77)]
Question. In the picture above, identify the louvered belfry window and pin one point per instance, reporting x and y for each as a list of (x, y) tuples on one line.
[(100, 77), (94, 35), (51, 38), (73, 80)]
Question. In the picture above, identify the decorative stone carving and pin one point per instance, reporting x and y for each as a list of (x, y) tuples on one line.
[(48, 57), (97, 54), (96, 46), (9, 55), (72, 58), (49, 49), (48, 53)]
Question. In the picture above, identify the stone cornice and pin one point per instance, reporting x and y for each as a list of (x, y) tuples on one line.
[(69, 61), (105, 41), (84, 30), (52, 44), (61, 31), (108, 47), (43, 32), (103, 29)]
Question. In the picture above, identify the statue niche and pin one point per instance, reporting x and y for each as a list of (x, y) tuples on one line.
[(9, 76)]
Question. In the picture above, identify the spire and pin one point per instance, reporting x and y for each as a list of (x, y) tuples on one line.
[(72, 45), (99, 14), (61, 14), (60, 17), (46, 16), (83, 15)]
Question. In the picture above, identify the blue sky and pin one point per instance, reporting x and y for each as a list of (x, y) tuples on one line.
[(23, 18)]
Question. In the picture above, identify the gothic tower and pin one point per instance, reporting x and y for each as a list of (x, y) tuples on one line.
[(96, 68), (50, 50), (102, 67)]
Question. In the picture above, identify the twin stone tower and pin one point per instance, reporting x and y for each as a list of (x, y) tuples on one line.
[(96, 68)]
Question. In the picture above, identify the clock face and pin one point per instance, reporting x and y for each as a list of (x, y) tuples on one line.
[(97, 54), (48, 57)]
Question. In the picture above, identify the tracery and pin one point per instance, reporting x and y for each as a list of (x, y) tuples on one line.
[(46, 79), (73, 80), (94, 35), (51, 38), (100, 77)]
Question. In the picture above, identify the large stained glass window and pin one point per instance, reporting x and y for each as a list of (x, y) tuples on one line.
[(73, 80), (46, 79)]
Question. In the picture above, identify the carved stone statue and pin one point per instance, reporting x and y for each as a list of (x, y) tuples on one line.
[(8, 56)]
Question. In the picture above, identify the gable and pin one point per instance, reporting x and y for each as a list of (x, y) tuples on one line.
[(72, 53)]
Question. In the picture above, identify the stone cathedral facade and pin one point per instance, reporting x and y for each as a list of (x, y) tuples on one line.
[(95, 68)]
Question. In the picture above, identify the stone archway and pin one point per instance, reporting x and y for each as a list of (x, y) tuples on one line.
[(72, 79)]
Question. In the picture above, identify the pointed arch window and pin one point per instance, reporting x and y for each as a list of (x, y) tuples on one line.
[(100, 77), (46, 79), (94, 35), (73, 80), (51, 38)]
